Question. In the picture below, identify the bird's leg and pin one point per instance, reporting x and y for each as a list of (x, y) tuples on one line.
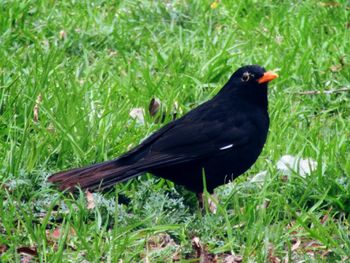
[(210, 202)]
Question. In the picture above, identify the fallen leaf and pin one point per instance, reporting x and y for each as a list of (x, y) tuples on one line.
[(279, 39), (154, 106), (176, 110), (329, 4), (325, 217), (212, 201), (63, 35), (138, 114), (272, 258), (233, 259), (36, 108), (27, 254), (28, 250), (90, 200), (335, 68), (51, 128), (176, 256), (312, 245), (238, 226), (264, 205), (202, 253), (3, 248), (162, 241), (26, 258), (196, 244), (259, 177), (326, 253), (112, 53), (296, 244), (57, 232), (289, 164)]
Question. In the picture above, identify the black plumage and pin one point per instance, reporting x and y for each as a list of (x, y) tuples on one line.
[(221, 138)]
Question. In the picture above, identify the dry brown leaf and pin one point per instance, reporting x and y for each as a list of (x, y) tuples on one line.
[(238, 226), (27, 250), (329, 4), (210, 258), (36, 108), (325, 217), (233, 259), (154, 106), (279, 39), (90, 200), (197, 246), (296, 244), (25, 258), (212, 201), (3, 248), (63, 35), (202, 253), (27, 254), (335, 68), (138, 114), (176, 256), (264, 205), (312, 246), (272, 258), (51, 128), (57, 232), (112, 53), (162, 241), (326, 253), (176, 110)]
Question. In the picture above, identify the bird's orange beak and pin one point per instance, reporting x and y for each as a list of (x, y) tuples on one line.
[(268, 76)]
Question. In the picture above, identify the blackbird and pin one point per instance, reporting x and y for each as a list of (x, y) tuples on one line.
[(221, 138)]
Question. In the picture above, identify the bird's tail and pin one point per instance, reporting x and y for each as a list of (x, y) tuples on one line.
[(97, 176)]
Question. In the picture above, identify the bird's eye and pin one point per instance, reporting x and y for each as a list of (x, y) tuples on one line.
[(245, 77)]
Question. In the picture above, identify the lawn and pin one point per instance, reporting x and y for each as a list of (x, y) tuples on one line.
[(72, 71)]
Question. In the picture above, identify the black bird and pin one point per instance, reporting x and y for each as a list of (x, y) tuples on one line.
[(221, 138)]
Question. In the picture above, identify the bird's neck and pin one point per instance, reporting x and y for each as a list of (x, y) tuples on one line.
[(257, 96)]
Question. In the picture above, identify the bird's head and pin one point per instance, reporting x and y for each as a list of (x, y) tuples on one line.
[(249, 82), (252, 76)]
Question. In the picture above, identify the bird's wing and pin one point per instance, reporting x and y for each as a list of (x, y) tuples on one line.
[(193, 118), (187, 142)]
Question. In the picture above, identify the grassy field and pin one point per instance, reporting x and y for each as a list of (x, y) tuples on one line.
[(71, 72)]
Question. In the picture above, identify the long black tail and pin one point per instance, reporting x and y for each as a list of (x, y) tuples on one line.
[(97, 176)]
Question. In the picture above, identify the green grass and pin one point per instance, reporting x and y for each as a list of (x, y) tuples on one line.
[(113, 57)]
